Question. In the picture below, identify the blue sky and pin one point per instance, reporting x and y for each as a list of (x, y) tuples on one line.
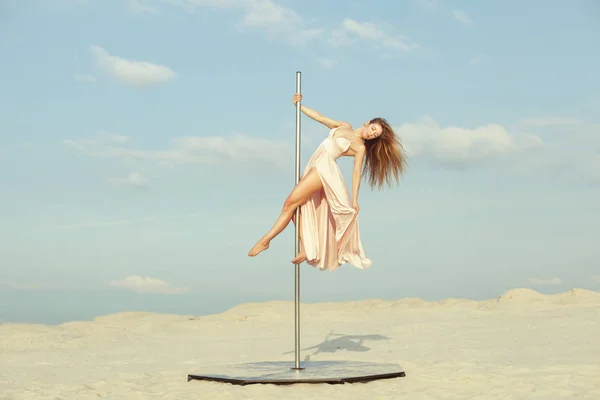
[(146, 145)]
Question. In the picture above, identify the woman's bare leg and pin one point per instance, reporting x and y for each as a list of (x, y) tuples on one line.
[(301, 193), (301, 257)]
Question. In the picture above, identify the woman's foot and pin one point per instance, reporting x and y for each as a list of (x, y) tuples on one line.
[(301, 257), (258, 247)]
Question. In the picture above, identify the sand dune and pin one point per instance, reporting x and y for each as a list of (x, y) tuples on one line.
[(522, 345)]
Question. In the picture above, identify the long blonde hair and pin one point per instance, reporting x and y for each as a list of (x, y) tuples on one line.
[(385, 159)]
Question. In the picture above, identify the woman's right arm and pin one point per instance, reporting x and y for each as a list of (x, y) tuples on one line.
[(309, 112)]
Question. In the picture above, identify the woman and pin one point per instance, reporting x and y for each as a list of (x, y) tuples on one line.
[(328, 229)]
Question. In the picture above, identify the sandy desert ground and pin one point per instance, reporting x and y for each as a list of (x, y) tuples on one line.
[(522, 345)]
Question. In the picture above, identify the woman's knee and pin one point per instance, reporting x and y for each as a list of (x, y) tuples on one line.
[(290, 204)]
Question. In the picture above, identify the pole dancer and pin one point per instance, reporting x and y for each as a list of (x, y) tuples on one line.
[(328, 215)]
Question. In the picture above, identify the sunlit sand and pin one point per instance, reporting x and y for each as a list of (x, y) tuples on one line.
[(522, 345)]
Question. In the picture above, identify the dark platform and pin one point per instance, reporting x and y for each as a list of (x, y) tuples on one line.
[(284, 373)]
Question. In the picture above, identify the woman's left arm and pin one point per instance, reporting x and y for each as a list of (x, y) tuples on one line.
[(359, 158)]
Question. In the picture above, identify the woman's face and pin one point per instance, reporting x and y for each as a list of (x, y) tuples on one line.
[(371, 131)]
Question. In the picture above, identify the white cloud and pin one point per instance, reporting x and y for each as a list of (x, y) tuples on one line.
[(214, 150), (462, 17), (451, 146), (131, 72), (572, 148), (281, 23), (379, 34), (146, 284), (326, 63), (276, 21), (133, 179), (550, 120), (105, 145), (537, 281), (457, 145), (596, 278), (569, 147)]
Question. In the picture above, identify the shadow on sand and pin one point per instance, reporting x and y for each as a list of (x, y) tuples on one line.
[(332, 344)]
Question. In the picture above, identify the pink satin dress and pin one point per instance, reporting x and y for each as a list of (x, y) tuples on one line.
[(330, 233)]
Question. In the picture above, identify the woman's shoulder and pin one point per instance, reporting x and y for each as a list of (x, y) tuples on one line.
[(344, 125)]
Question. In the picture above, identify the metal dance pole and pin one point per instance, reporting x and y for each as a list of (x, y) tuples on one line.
[(297, 230), (280, 372)]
